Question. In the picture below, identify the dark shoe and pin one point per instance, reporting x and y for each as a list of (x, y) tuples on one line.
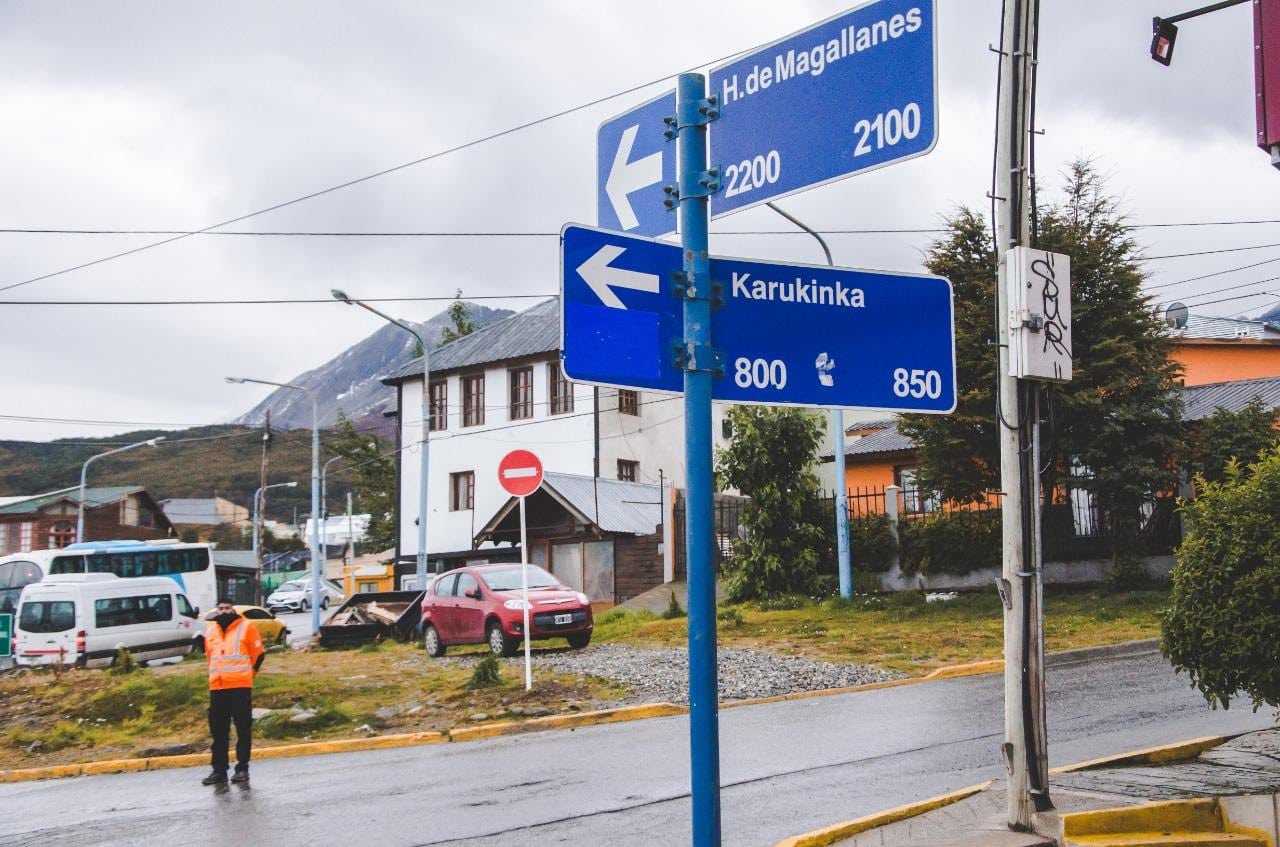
[(215, 778), (241, 775)]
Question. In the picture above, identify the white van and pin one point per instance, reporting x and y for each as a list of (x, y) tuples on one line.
[(85, 618)]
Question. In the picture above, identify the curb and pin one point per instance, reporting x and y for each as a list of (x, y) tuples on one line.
[(832, 834), (1110, 651), (604, 716), (1165, 753)]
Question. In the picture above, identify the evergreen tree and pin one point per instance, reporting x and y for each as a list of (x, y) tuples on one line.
[(460, 314), (1227, 435), (1119, 417), (770, 460), (374, 475)]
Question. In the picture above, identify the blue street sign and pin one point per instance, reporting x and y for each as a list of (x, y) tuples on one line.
[(634, 162), (853, 93), (801, 335)]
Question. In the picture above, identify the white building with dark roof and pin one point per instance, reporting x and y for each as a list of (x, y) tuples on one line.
[(499, 389)]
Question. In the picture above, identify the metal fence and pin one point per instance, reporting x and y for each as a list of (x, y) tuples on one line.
[(728, 512)]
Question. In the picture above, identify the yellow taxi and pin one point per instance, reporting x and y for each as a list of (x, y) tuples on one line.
[(271, 628)]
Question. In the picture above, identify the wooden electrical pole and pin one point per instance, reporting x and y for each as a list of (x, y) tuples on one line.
[(258, 507), (1018, 421)]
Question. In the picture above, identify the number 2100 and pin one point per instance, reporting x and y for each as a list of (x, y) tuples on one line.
[(887, 129)]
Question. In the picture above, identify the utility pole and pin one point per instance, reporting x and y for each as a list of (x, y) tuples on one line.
[(1018, 420), (259, 504)]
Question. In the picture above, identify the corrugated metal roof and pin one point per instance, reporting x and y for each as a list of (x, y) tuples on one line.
[(633, 507), (1200, 401), (93, 498), (886, 439), (191, 511), (534, 331), (1226, 329)]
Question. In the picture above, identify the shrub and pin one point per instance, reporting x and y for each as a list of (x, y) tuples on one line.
[(673, 609), (1223, 624), (784, 603), (124, 662), (487, 673), (871, 544), (730, 615), (950, 542)]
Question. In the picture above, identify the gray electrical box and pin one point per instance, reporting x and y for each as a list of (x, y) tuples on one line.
[(1039, 315)]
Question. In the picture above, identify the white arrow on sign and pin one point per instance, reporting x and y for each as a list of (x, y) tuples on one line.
[(626, 177), (602, 277)]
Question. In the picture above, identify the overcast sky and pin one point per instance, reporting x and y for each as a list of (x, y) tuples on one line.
[(177, 115)]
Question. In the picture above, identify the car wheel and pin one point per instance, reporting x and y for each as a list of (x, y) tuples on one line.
[(431, 642), (283, 638), (304, 606), (324, 602), (500, 643), (200, 644), (577, 642)]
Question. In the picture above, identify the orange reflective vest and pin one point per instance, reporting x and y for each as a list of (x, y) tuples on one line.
[(232, 654)]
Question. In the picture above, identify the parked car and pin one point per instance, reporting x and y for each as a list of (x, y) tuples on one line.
[(85, 618), (271, 628), (484, 604), (295, 595)]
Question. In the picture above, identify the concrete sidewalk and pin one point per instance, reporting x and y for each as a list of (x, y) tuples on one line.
[(1246, 765)]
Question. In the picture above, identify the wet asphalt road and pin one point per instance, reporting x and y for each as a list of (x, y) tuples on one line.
[(786, 768)]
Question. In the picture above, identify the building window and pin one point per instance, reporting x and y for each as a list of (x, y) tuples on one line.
[(438, 416), (61, 534), (6, 539), (462, 491), (520, 381), (628, 401), (915, 500), (25, 536), (561, 389), (473, 400), (628, 470)]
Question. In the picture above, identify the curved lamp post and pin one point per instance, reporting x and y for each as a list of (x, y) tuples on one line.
[(426, 429), (84, 473), (257, 554)]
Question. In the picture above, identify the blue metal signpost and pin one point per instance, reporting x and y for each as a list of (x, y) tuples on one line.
[(699, 362), (805, 335), (853, 93), (634, 163)]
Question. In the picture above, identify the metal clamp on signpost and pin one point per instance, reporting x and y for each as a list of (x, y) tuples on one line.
[(697, 358)]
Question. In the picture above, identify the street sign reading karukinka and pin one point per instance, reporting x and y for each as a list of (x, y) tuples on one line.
[(788, 334), (851, 94)]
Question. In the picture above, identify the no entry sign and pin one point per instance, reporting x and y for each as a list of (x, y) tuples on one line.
[(520, 473)]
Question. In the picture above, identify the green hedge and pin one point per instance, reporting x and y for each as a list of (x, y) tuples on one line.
[(871, 545), (950, 542)]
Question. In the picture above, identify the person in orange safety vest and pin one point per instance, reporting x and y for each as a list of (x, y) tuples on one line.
[(234, 649)]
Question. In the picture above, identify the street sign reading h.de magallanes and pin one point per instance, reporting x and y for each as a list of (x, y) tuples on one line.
[(853, 93), (800, 335)]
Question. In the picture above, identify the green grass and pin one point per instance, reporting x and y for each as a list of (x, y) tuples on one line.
[(901, 631)]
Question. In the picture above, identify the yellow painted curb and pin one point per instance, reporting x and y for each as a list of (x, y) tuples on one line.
[(832, 834), (1151, 755), (971, 669), (47, 772), (348, 745), (604, 716), (114, 766)]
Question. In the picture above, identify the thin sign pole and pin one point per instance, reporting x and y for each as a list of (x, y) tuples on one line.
[(704, 733), (524, 585)]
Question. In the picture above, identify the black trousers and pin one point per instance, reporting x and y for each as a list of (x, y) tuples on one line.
[(227, 705)]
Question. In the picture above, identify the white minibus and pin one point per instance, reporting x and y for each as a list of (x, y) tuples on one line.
[(85, 618)]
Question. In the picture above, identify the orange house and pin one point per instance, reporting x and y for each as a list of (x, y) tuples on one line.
[(1214, 353)]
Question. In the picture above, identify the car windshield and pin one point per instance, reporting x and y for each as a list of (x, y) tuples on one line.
[(508, 579), (292, 586)]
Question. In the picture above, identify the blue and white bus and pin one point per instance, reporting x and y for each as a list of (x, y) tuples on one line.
[(190, 565)]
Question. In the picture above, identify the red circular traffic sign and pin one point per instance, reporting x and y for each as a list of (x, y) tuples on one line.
[(520, 473)]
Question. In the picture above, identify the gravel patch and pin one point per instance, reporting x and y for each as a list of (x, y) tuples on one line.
[(663, 675)]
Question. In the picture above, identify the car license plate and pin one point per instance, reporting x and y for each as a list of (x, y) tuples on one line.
[(564, 619)]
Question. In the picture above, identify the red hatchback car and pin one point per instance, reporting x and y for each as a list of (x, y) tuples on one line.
[(484, 604)]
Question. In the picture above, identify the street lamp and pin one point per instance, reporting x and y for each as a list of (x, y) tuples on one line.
[(84, 472), (257, 554), (316, 561), (426, 429)]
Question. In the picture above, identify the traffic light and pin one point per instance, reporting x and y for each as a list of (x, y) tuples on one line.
[(1163, 35)]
